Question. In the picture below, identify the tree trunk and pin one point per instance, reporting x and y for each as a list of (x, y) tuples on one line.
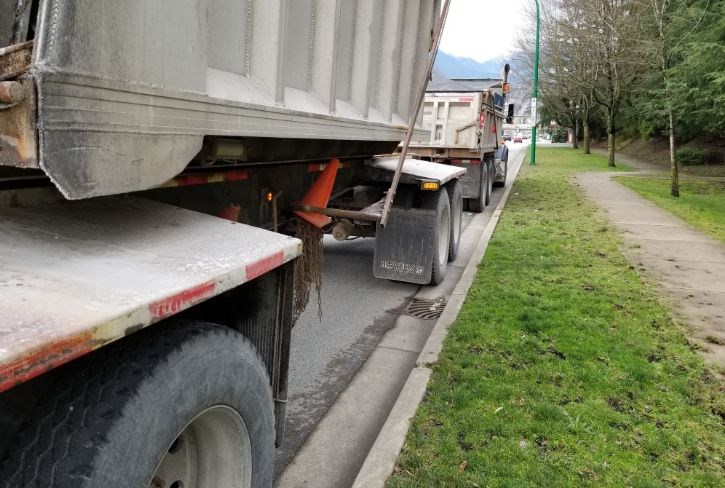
[(585, 123), (576, 132), (674, 173), (610, 140)]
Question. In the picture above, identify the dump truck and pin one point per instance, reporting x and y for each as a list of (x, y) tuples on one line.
[(465, 117), (167, 170)]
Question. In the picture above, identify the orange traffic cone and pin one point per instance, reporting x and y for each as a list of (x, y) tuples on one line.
[(319, 194)]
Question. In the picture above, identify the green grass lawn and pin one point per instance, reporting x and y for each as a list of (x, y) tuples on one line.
[(701, 203), (565, 161), (562, 368)]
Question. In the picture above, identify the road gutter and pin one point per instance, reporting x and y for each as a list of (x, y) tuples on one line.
[(381, 458)]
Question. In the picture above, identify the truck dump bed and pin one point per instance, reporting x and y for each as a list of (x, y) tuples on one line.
[(119, 96), (463, 117)]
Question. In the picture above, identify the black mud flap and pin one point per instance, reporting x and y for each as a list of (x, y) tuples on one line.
[(404, 248), (471, 180)]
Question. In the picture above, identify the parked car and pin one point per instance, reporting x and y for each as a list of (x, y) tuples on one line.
[(507, 137), (518, 138)]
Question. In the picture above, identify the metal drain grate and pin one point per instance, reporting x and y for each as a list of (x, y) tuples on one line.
[(424, 308)]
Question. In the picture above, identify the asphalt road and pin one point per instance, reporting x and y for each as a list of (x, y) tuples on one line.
[(325, 354)]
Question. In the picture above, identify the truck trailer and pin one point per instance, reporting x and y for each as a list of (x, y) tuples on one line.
[(167, 170), (465, 118)]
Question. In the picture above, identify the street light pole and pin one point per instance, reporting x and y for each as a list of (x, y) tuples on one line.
[(536, 91)]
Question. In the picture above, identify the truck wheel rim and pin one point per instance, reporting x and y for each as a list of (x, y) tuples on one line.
[(213, 450), (444, 237)]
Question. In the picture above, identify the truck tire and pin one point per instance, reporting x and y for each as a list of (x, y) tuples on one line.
[(502, 154), (186, 404), (439, 202), (501, 184), (478, 204), (489, 182), (455, 196)]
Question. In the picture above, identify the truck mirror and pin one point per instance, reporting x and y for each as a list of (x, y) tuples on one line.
[(510, 116)]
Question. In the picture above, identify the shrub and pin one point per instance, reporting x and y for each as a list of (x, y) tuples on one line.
[(560, 135), (647, 130), (713, 156), (688, 155)]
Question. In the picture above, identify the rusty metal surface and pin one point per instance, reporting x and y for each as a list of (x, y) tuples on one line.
[(15, 60), (18, 138), (11, 92), (76, 275), (364, 215)]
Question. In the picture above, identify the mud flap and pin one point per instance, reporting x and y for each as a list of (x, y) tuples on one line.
[(404, 247), (471, 180)]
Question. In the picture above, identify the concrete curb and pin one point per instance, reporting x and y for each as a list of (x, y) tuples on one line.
[(380, 461)]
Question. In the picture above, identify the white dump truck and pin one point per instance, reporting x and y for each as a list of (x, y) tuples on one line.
[(162, 164), (465, 118)]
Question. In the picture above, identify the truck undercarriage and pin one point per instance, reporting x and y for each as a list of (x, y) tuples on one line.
[(157, 161)]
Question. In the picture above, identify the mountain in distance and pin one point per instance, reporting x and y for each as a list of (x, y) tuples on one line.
[(452, 66)]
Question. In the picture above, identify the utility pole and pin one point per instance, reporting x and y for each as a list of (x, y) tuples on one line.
[(536, 91)]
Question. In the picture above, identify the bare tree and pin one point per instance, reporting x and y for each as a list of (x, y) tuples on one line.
[(620, 56), (592, 53), (570, 63)]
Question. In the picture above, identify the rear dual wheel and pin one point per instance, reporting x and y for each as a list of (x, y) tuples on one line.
[(478, 204), (439, 202), (448, 206), (185, 405), (501, 184), (491, 173), (455, 196)]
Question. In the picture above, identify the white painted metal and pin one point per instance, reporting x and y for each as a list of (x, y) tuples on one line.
[(76, 275), (419, 168), (127, 90)]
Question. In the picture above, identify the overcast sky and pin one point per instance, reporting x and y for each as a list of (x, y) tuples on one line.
[(482, 29)]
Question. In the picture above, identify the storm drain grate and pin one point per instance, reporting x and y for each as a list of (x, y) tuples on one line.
[(424, 308)]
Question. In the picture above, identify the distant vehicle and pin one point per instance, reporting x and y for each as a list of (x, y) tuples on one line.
[(466, 118), (518, 138), (507, 137), (526, 136)]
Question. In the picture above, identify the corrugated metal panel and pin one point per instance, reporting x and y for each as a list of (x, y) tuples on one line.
[(127, 90)]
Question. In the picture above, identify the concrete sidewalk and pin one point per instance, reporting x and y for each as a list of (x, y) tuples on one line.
[(650, 169), (688, 265)]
